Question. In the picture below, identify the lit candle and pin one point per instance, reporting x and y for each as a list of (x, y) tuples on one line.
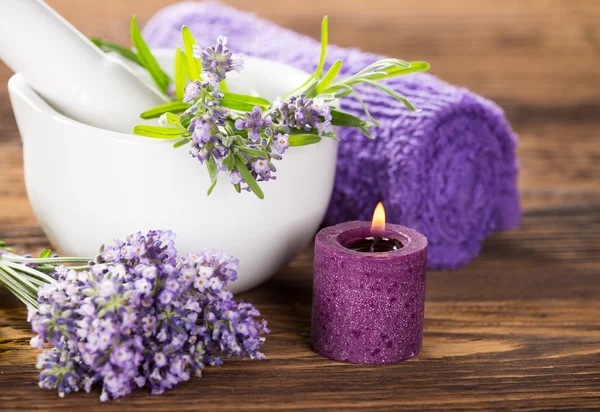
[(369, 291)]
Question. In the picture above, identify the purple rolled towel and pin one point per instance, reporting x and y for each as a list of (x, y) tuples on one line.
[(449, 171)]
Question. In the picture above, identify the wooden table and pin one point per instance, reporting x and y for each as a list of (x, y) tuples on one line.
[(518, 328)]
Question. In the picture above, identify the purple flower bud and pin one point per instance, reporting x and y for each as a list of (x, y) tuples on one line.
[(143, 286), (165, 297), (235, 178), (202, 133), (215, 94), (192, 91), (160, 360), (281, 142), (217, 61), (261, 166), (255, 122)]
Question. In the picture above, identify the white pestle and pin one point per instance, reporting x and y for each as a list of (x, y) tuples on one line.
[(68, 70)]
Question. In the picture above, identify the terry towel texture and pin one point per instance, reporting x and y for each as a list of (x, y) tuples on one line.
[(449, 171)]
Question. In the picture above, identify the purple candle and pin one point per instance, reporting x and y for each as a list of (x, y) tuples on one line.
[(369, 292)]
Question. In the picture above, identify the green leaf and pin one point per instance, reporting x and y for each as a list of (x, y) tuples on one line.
[(362, 103), (185, 66), (339, 118), (339, 90), (329, 76), (384, 64), (157, 132), (238, 188), (180, 79), (394, 94), (229, 127), (243, 103), (304, 139), (398, 71), (252, 152), (223, 86), (324, 41), (108, 46), (172, 119), (194, 65), (45, 253), (172, 107), (213, 172), (229, 161), (366, 133), (185, 120), (250, 181), (307, 88), (239, 138), (331, 135), (161, 79), (181, 142)]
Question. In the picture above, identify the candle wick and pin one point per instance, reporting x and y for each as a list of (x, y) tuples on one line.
[(375, 240)]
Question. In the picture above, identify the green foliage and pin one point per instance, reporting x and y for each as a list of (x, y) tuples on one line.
[(339, 118), (252, 152), (194, 65), (243, 103), (181, 142), (180, 75), (304, 139), (333, 71), (108, 46), (213, 173), (247, 176), (173, 107), (324, 41), (157, 132), (161, 79)]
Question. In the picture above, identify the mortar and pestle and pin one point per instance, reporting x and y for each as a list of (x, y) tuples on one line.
[(90, 180)]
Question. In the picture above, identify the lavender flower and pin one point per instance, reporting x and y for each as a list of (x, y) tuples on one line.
[(261, 167), (201, 132), (255, 122), (61, 369), (281, 142), (207, 140), (192, 91), (235, 178), (217, 61), (142, 316), (303, 114), (215, 114)]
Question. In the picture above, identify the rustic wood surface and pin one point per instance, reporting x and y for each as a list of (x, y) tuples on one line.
[(518, 328)]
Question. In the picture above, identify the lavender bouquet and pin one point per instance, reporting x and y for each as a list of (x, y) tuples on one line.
[(137, 315), (243, 135)]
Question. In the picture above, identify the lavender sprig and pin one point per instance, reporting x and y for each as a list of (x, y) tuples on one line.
[(138, 315), (243, 135)]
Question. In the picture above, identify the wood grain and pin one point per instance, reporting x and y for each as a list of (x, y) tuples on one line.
[(518, 328)]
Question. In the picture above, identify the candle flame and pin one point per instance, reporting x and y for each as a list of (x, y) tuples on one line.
[(378, 225)]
